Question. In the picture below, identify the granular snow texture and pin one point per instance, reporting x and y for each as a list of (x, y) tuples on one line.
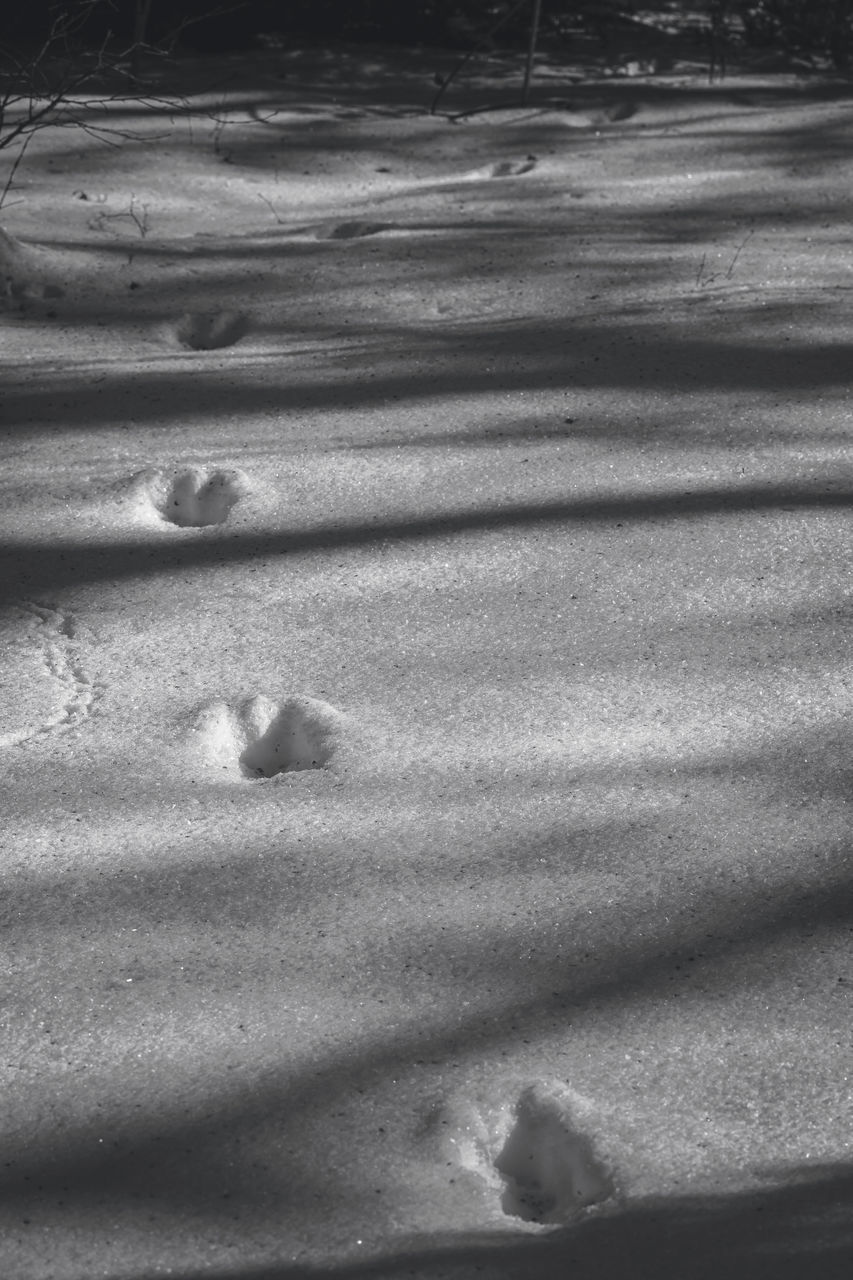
[(426, 688)]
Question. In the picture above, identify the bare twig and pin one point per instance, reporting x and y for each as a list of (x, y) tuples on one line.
[(7, 186), (140, 221), (702, 280), (220, 122), (220, 11), (531, 49), (138, 215), (281, 221), (43, 89), (738, 252), (39, 93)]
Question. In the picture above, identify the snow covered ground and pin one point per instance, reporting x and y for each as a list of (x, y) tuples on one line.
[(425, 702)]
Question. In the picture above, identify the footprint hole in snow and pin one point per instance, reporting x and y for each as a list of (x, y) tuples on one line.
[(195, 498), (549, 1166), (355, 230), (210, 331), (297, 738), (513, 168)]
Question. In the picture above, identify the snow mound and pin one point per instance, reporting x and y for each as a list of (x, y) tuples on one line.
[(190, 497), (210, 331), (261, 738)]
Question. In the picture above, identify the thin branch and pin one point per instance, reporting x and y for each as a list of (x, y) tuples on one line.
[(7, 186), (531, 49), (139, 220), (702, 280), (740, 250), (175, 34), (281, 221)]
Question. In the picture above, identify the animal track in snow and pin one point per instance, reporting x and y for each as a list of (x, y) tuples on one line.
[(501, 169), (210, 331), (261, 738), (354, 230), (512, 168), (537, 1156), (193, 497), (548, 1163), (46, 686)]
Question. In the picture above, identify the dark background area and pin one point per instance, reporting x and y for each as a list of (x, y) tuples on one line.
[(812, 29)]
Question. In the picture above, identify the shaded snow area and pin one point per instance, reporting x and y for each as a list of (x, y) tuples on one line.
[(425, 704)]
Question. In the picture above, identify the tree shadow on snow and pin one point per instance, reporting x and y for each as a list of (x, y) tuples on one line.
[(634, 354), (196, 1159), (802, 1230), (29, 567), (801, 1226)]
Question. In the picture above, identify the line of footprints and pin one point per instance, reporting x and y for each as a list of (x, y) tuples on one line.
[(258, 738), (537, 1153)]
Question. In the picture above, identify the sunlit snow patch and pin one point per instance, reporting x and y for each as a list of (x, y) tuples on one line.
[(261, 738), (210, 331), (191, 497)]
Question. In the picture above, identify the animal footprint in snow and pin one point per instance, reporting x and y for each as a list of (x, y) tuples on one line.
[(210, 331), (354, 230), (548, 1163), (261, 738), (512, 168), (538, 1155), (195, 496)]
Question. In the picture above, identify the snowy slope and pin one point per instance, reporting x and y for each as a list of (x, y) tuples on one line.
[(491, 479)]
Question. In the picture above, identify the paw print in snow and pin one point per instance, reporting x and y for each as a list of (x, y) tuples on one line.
[(548, 1163), (546, 1156), (261, 738), (189, 497), (288, 738), (211, 331), (197, 498), (512, 168)]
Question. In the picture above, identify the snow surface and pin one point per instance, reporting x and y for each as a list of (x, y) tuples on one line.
[(425, 705)]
